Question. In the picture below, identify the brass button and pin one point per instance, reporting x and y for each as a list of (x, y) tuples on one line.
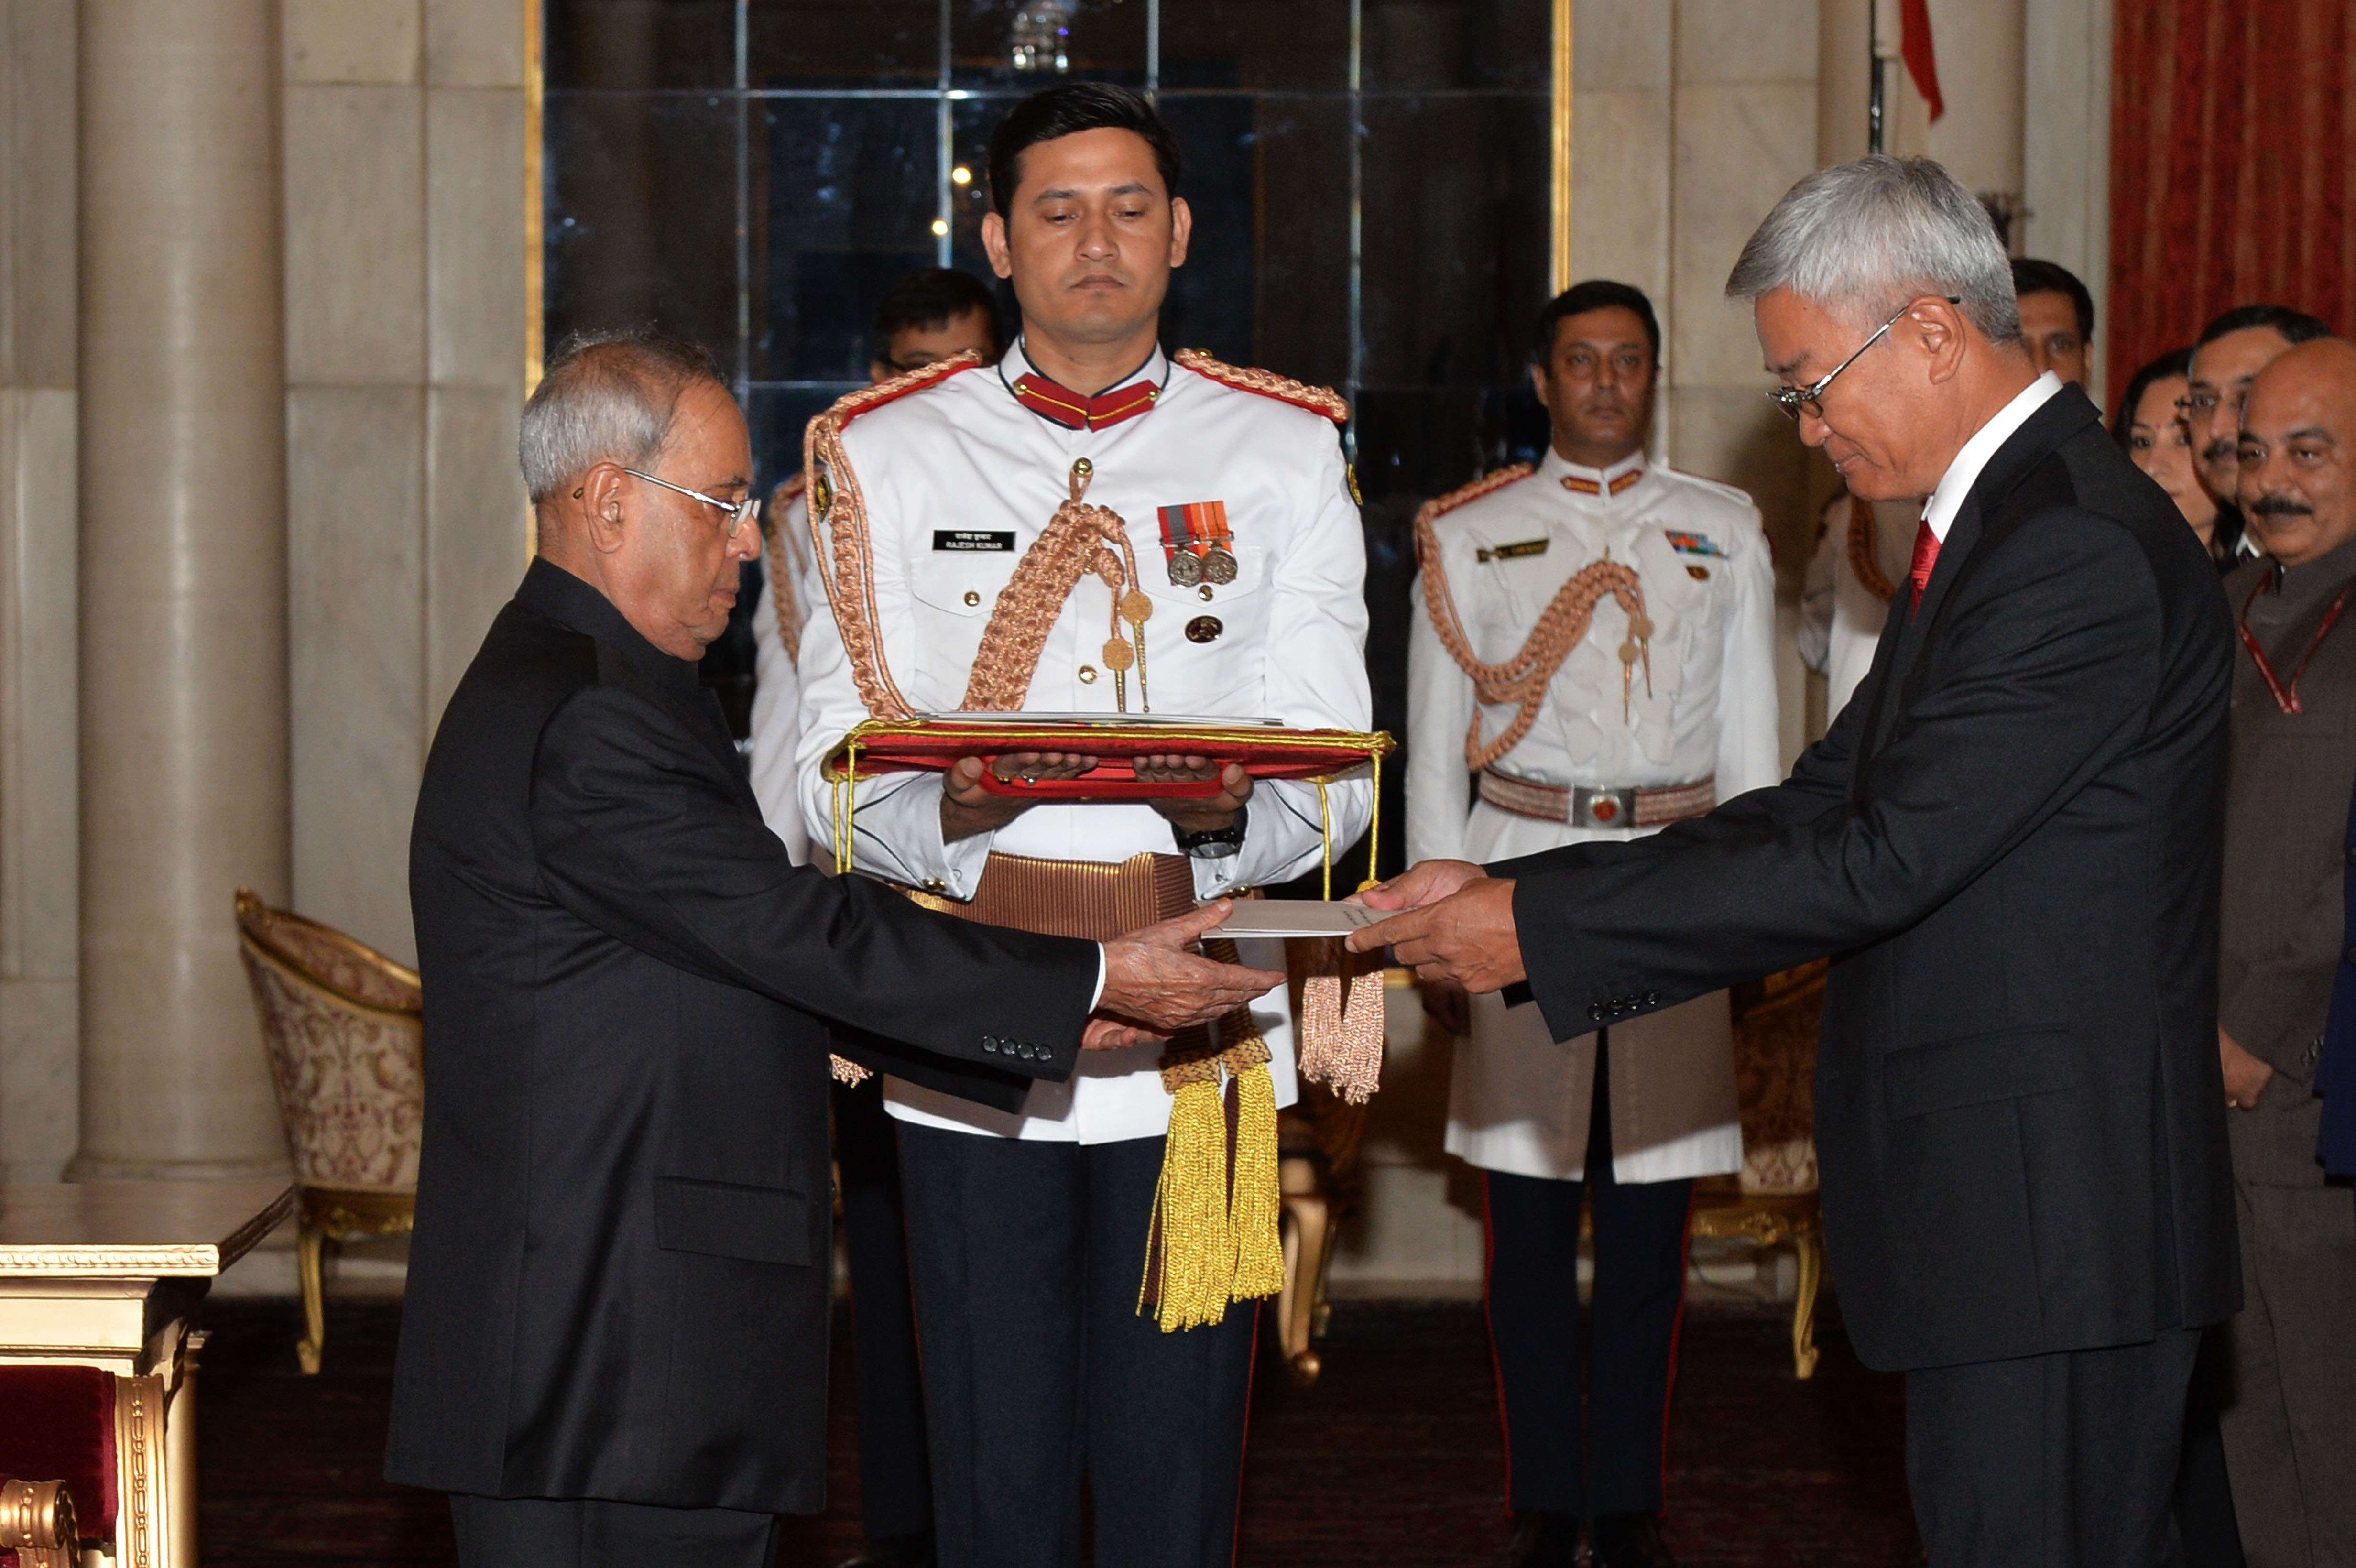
[(1698, 573), (971, 597), (1087, 674), (1204, 629), (934, 885), (1205, 592)]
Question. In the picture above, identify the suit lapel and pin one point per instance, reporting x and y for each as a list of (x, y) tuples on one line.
[(1904, 636)]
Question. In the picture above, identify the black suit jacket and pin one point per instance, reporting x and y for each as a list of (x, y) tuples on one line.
[(2009, 839), (619, 1283)]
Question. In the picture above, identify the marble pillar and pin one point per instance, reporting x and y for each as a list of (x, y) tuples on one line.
[(183, 578)]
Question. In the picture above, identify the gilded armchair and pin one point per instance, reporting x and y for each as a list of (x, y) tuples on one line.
[(345, 1031), (1774, 1199)]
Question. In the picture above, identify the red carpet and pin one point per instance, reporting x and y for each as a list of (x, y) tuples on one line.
[(1393, 1458)]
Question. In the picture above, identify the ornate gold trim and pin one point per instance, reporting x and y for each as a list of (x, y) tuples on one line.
[(138, 1437), (535, 234), (125, 1262), (1559, 236)]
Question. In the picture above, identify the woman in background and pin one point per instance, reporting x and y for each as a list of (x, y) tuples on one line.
[(2150, 426)]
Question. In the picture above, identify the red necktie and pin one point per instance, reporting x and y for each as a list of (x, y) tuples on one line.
[(1926, 556)]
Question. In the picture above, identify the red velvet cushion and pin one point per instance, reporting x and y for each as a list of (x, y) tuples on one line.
[(60, 1426)]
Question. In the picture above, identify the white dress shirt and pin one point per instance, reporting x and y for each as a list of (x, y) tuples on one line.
[(1709, 709), (963, 454), (1965, 470)]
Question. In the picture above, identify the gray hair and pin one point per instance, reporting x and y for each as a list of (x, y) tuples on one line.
[(608, 397), (1866, 236)]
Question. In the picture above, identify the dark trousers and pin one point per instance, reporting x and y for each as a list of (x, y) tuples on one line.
[(2066, 1460), (895, 1482), (1533, 1298), (1040, 1372), (588, 1533), (2204, 1492)]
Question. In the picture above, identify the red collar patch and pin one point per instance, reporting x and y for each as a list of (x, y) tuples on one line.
[(1579, 485), (1073, 411)]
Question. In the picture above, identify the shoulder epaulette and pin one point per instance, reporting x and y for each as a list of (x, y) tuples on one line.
[(1740, 497), (867, 400), (1320, 401), (1440, 506)]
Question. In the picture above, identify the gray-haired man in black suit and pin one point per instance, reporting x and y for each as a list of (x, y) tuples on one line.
[(614, 1346), (2009, 840)]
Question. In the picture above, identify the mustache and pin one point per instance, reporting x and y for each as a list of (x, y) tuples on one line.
[(2219, 451), (2281, 506)]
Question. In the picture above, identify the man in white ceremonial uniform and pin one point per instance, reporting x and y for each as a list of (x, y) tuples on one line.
[(926, 316), (1655, 700), (1235, 564)]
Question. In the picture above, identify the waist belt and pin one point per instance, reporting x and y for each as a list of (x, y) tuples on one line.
[(1087, 898), (1581, 807)]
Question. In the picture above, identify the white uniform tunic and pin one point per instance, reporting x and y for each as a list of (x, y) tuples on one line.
[(777, 692), (1841, 617), (963, 457), (1519, 1100)]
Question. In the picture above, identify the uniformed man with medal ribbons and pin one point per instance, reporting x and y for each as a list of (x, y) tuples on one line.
[(1593, 659), (1095, 526)]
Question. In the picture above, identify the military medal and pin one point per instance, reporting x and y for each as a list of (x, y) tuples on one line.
[(1196, 539)]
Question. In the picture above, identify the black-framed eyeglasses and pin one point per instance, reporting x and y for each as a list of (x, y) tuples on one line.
[(739, 513), (1797, 401)]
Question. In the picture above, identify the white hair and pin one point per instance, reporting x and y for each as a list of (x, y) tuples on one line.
[(608, 397), (1864, 238)]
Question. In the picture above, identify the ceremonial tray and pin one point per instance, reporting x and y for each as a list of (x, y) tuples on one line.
[(1266, 749)]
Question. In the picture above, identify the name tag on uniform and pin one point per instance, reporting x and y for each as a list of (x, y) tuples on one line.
[(1512, 552), (971, 539), (1694, 544)]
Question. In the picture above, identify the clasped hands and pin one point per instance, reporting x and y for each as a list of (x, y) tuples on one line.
[(1454, 928)]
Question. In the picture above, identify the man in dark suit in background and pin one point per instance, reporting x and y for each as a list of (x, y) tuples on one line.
[(613, 1345), (2009, 840), (2289, 1388)]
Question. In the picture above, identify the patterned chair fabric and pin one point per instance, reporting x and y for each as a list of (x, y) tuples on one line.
[(1776, 1023), (344, 1026)]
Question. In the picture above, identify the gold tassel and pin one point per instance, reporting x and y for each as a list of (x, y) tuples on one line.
[(1256, 1203), (1190, 1230)]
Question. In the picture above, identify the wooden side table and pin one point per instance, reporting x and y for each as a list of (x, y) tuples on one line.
[(111, 1275)]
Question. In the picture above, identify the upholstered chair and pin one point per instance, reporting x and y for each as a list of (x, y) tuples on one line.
[(344, 1028), (1773, 1201), (80, 1465)]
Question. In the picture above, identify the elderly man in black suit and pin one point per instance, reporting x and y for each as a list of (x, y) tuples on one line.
[(613, 1348), (2009, 839)]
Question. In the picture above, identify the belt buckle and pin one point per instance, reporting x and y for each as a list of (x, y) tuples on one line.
[(1602, 808)]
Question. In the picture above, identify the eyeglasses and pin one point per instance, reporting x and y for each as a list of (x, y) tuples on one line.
[(739, 512), (1797, 401)]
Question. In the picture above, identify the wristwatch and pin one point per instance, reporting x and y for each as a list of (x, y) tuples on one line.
[(1213, 843)]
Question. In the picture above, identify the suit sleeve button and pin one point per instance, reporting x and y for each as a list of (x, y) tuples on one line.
[(1652, 998)]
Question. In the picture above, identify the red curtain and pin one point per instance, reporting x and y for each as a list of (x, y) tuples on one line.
[(2233, 166)]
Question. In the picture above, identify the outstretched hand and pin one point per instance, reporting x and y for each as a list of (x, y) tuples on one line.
[(1465, 934), (1155, 984), (1425, 882)]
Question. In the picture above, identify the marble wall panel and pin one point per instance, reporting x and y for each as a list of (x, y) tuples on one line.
[(37, 193), (356, 464), (1620, 189), (477, 537), (39, 804), (1739, 148), (1746, 41), (1620, 47), (355, 236), (473, 236), (350, 40), (473, 43)]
